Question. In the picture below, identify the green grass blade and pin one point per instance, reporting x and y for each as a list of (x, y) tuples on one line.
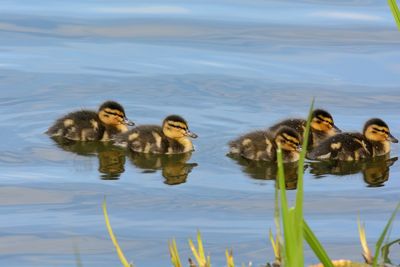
[(395, 11), (289, 237), (382, 237), (298, 211), (113, 238), (385, 250), (316, 246), (277, 217)]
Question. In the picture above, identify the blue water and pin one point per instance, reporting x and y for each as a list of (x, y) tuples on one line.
[(227, 67)]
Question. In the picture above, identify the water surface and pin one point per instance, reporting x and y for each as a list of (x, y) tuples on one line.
[(227, 67)]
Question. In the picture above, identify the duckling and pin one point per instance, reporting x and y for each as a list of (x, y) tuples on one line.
[(375, 141), (87, 125), (322, 127), (171, 138), (262, 145)]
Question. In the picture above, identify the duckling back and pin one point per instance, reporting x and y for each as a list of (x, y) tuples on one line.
[(149, 139), (343, 146), (298, 125), (257, 145), (86, 125), (78, 126)]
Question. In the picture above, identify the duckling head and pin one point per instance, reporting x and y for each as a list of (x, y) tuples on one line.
[(322, 121), (175, 127), (288, 139), (377, 130), (113, 114)]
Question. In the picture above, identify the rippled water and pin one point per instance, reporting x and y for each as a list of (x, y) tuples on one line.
[(227, 67)]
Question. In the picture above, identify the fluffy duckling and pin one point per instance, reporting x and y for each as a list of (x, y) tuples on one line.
[(87, 125), (171, 138), (375, 141), (262, 145), (322, 127)]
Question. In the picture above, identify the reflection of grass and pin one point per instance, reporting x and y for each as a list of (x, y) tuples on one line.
[(395, 11), (288, 246)]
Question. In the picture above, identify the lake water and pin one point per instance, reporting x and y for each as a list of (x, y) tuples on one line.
[(227, 67)]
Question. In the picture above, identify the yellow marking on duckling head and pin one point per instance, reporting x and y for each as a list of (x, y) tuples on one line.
[(326, 119), (114, 112), (336, 146), (291, 138), (287, 142), (323, 124), (175, 129), (377, 133), (68, 122), (113, 117), (133, 136), (349, 158)]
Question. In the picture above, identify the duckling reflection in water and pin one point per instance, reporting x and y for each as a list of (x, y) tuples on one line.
[(174, 167), (111, 158), (88, 125), (322, 127), (264, 170), (373, 142), (375, 171)]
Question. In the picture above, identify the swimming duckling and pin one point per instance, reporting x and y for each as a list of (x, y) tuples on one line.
[(87, 125), (171, 138), (262, 145), (375, 141), (322, 127)]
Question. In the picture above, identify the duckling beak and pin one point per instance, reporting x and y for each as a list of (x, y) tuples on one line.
[(392, 138), (336, 128), (298, 148), (191, 134), (128, 122)]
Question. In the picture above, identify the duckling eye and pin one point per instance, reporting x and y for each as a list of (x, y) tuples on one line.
[(375, 130), (177, 126), (115, 114)]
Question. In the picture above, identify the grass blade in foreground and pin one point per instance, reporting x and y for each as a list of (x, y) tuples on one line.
[(173, 251), (289, 251), (229, 258), (316, 246), (292, 219), (382, 237), (298, 211), (363, 240), (113, 238), (395, 11), (199, 254)]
